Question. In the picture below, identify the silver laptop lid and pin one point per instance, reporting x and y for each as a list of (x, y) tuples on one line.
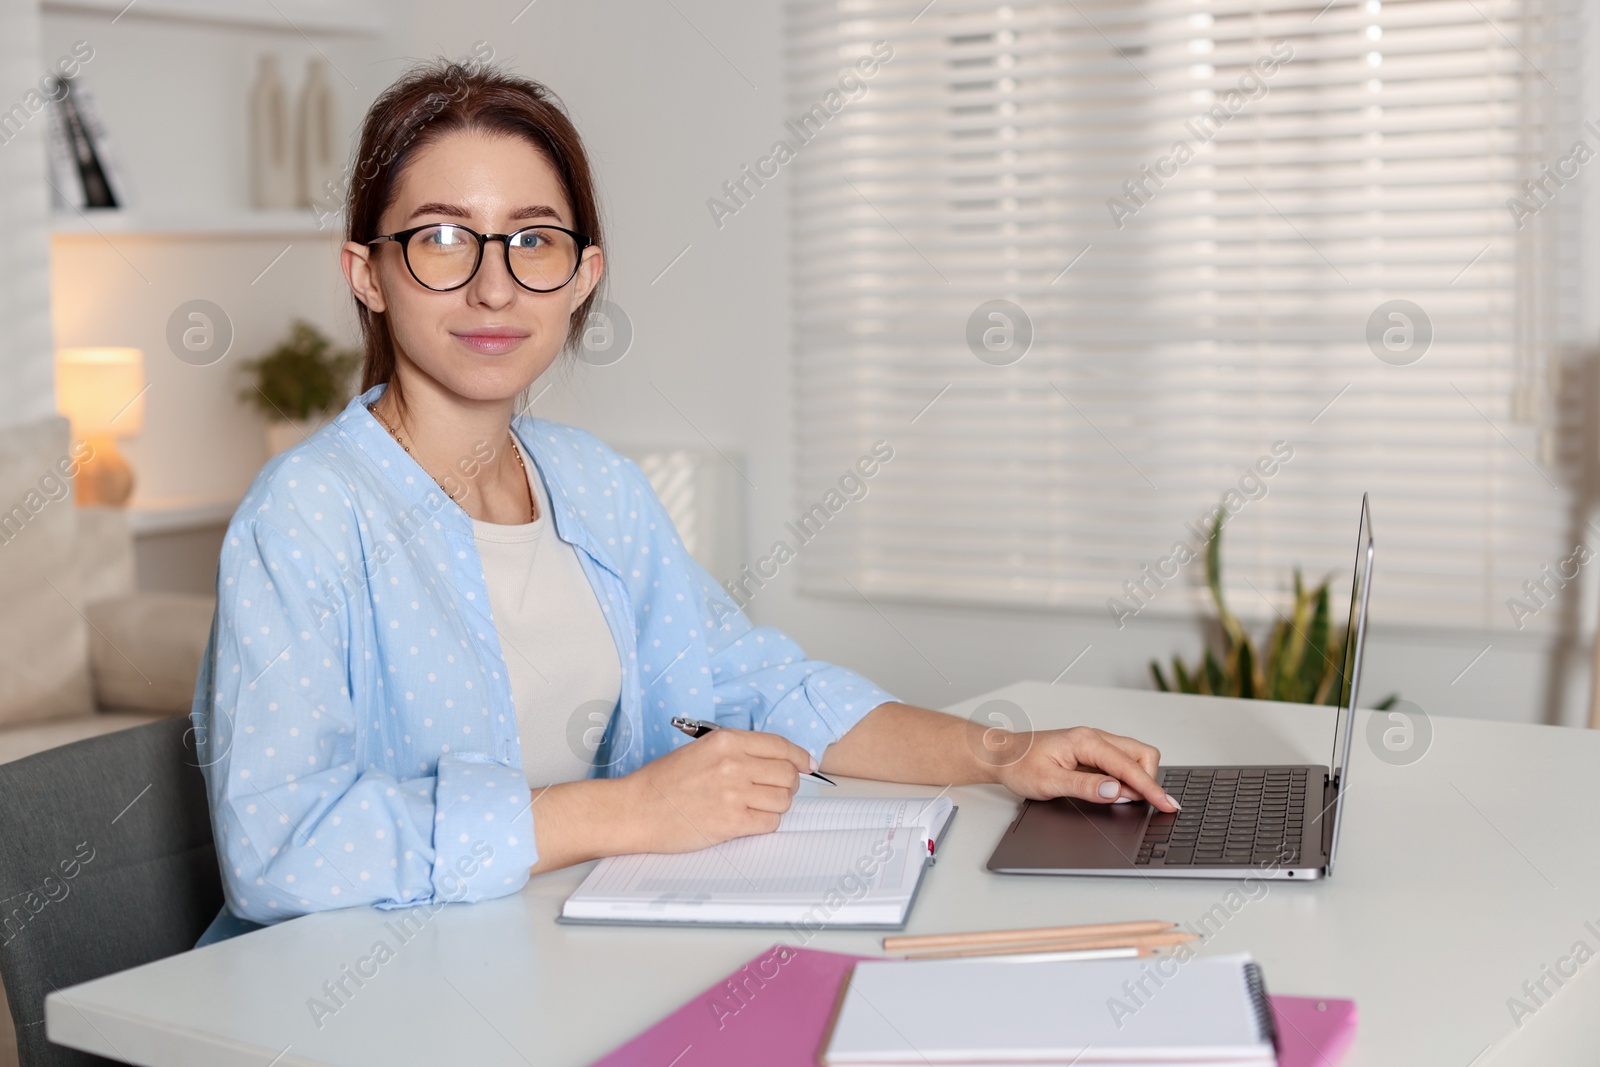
[(1350, 674)]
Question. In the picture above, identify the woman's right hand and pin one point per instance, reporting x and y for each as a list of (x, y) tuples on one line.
[(728, 783)]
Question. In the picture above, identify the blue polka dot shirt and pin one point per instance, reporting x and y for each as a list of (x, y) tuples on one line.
[(353, 710)]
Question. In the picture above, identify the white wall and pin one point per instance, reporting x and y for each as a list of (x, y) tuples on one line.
[(27, 376), (664, 96)]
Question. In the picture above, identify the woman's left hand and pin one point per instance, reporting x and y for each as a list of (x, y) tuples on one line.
[(1080, 762)]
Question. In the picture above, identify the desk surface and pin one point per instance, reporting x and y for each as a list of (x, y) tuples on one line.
[(1460, 877)]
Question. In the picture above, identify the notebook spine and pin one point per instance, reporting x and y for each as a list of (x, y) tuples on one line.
[(1257, 990)]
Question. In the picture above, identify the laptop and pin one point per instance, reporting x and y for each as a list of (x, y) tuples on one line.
[(1277, 822)]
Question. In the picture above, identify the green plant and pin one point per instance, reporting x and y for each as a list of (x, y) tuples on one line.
[(1302, 663), (302, 376)]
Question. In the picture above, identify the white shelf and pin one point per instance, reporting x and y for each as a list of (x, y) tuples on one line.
[(173, 514), (290, 16), (243, 222)]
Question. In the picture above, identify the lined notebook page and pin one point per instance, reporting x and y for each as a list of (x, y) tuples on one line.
[(796, 865), (859, 856), (860, 813)]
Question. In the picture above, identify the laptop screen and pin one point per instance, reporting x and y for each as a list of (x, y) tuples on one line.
[(1350, 670)]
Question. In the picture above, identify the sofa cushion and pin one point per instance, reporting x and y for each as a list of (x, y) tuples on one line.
[(44, 645), (105, 552), (145, 649), (19, 741)]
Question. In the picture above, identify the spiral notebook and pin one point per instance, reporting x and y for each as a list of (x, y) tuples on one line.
[(1209, 1009), (775, 1011), (838, 861)]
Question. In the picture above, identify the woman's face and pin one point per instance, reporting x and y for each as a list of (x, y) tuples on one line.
[(490, 338)]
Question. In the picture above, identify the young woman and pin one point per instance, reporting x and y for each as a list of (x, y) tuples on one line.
[(428, 610)]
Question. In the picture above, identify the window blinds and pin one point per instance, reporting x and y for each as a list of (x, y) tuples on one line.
[(1197, 217)]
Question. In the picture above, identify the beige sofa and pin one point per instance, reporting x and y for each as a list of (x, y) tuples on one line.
[(81, 653)]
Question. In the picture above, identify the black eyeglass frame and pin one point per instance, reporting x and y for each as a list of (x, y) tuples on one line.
[(403, 238)]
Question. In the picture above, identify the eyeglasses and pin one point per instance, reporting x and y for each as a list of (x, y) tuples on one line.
[(443, 256)]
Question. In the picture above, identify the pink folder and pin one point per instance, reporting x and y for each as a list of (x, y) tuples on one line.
[(774, 1011), (1312, 1031)]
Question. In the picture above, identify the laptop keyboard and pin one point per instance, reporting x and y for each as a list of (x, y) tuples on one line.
[(1241, 816)]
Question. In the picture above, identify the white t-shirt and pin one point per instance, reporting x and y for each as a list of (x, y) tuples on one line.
[(565, 675)]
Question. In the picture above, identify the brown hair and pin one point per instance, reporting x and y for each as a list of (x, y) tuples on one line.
[(441, 97)]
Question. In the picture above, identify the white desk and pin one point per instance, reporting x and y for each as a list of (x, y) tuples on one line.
[(1460, 876)]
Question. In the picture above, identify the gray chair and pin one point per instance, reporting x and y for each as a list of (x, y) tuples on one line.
[(106, 862)]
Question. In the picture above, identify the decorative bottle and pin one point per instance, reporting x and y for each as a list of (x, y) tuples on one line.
[(318, 148), (272, 170)]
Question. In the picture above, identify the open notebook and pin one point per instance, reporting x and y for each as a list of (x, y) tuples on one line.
[(843, 861), (1208, 1009)]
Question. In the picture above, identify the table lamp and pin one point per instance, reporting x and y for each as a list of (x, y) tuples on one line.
[(102, 391)]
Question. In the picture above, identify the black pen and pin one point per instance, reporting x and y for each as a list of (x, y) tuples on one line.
[(700, 727)]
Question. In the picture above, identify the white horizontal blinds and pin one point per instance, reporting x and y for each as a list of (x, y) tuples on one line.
[(1180, 330)]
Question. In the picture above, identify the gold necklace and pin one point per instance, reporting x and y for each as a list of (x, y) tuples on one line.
[(532, 514), (527, 480)]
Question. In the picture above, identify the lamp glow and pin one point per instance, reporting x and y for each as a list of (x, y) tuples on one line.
[(102, 391)]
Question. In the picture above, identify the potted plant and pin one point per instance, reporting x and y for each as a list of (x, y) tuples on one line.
[(1303, 659), (299, 384)]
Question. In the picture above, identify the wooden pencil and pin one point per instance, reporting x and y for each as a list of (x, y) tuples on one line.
[(1027, 956), (1142, 941), (1041, 933)]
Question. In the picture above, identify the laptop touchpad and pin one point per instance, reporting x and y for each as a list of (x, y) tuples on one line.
[(1073, 833)]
